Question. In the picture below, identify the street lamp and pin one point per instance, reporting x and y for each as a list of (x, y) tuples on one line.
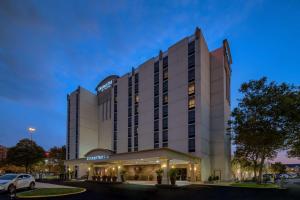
[(31, 130)]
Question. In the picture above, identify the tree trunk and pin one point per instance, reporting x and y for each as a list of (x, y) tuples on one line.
[(260, 170)]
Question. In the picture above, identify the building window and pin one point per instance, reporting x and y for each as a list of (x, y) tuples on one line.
[(77, 124), (191, 61), (156, 67), (165, 110), (136, 120), (165, 136), (191, 130), (191, 75), (165, 61), (191, 116), (165, 98), (165, 123), (156, 125), (165, 74), (156, 113), (191, 48), (191, 145), (191, 102), (156, 101), (227, 84), (165, 86), (137, 98), (191, 88), (156, 90)]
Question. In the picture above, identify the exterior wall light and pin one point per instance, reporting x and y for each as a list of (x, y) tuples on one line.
[(164, 166), (195, 168), (119, 167)]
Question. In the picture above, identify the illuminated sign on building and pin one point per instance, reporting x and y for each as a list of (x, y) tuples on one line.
[(105, 86), (98, 157)]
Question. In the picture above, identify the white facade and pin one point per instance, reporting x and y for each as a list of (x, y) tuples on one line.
[(91, 117)]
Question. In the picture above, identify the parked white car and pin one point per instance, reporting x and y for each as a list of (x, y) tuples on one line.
[(12, 182)]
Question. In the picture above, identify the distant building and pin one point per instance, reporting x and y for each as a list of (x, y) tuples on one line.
[(169, 112), (3, 152), (293, 168)]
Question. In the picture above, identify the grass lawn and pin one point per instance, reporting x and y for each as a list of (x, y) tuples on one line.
[(254, 185), (44, 192)]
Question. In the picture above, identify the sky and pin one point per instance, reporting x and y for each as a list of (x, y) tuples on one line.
[(49, 48)]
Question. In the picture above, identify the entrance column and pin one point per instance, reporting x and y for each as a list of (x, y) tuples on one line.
[(192, 171), (90, 172), (165, 167), (119, 168)]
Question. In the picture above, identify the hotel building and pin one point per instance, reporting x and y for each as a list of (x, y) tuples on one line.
[(169, 112)]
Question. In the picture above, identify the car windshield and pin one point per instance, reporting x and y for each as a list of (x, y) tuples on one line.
[(8, 177)]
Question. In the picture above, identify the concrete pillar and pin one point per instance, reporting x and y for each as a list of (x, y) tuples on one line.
[(119, 168), (193, 170), (91, 172), (165, 166)]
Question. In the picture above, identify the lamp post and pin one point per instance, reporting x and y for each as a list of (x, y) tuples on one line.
[(31, 130)]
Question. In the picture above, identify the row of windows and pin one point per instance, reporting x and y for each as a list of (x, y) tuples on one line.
[(191, 97), (156, 105), (136, 116), (115, 119), (68, 133), (77, 124), (129, 113), (165, 103)]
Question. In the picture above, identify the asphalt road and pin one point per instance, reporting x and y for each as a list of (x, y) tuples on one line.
[(195, 192)]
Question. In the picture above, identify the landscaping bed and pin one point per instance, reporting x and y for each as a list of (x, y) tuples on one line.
[(50, 192)]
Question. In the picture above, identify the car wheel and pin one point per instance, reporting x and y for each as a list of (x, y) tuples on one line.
[(32, 185), (11, 189)]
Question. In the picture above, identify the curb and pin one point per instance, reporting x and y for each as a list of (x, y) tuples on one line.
[(53, 195)]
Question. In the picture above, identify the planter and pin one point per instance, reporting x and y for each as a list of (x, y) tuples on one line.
[(114, 179), (159, 179), (104, 178), (173, 180), (122, 178)]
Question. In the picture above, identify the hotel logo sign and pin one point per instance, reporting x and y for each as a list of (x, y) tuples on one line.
[(105, 86), (98, 157)]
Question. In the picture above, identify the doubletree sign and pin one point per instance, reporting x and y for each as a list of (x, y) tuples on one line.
[(98, 157), (105, 86)]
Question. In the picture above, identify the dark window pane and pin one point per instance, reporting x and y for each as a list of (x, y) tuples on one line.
[(156, 78), (192, 145), (129, 131), (129, 101), (191, 89), (156, 90), (165, 136), (129, 121), (156, 113), (156, 101), (165, 86), (165, 61), (165, 74), (156, 145), (156, 137), (191, 116), (191, 47), (191, 75), (156, 125), (165, 123), (129, 142), (165, 110), (156, 67), (191, 61), (129, 112), (191, 131), (136, 120), (136, 78)]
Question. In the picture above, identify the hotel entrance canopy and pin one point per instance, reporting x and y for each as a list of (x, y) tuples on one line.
[(153, 156)]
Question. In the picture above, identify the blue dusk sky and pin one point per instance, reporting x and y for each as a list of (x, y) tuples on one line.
[(48, 48)]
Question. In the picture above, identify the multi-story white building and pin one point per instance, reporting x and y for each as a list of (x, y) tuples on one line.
[(169, 112)]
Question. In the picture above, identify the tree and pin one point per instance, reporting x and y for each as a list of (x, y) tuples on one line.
[(290, 112), (259, 130), (26, 153), (57, 155), (278, 168)]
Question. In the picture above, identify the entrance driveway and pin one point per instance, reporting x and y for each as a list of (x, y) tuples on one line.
[(100, 191)]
